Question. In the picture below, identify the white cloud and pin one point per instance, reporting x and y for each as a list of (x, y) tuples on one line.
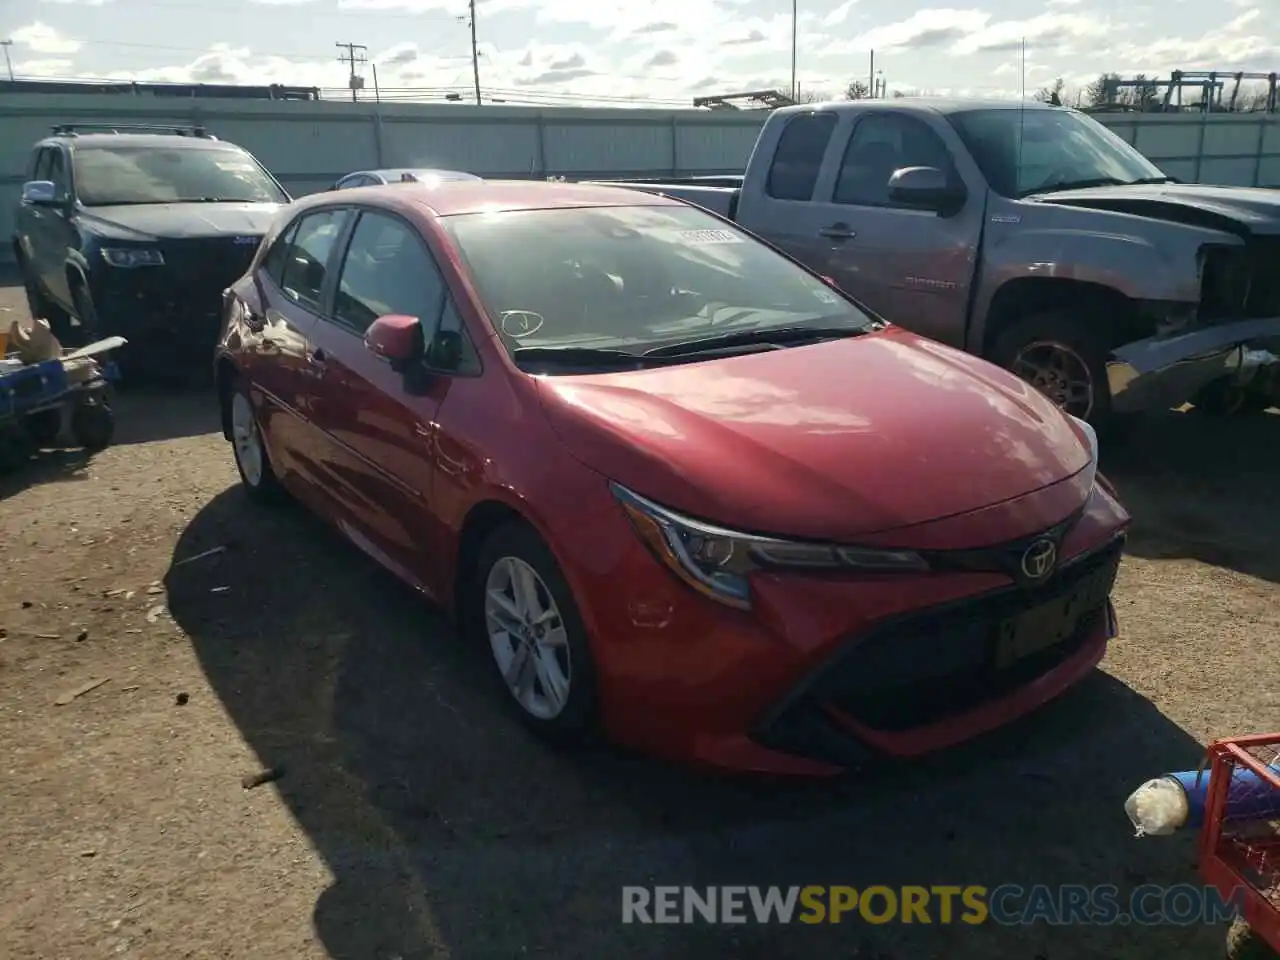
[(51, 67), (840, 14), (923, 29), (41, 38)]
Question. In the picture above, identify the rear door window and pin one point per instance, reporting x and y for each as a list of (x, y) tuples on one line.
[(307, 259), (798, 160)]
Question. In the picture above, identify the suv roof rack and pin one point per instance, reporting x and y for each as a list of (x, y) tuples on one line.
[(74, 129)]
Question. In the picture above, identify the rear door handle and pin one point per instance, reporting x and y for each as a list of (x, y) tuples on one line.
[(837, 231), (318, 359)]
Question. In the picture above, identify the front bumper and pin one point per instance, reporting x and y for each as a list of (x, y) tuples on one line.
[(685, 678), (1167, 371), (172, 311)]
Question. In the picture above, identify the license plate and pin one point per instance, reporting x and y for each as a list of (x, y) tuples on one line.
[(1051, 623)]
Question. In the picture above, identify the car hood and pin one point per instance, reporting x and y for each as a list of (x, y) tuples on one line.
[(176, 221), (1239, 209), (830, 441)]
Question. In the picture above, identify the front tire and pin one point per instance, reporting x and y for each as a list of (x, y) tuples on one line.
[(1061, 357), (536, 638), (257, 476)]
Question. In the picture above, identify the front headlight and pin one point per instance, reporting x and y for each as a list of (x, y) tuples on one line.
[(716, 562), (132, 257), (1091, 438)]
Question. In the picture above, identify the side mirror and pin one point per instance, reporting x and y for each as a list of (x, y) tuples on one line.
[(40, 193), (445, 352), (396, 339), (927, 188)]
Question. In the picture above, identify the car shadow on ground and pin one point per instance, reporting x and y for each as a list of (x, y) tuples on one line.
[(1202, 487), (449, 831), (44, 466), (148, 412)]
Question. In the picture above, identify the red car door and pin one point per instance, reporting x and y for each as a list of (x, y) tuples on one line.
[(289, 287), (379, 424)]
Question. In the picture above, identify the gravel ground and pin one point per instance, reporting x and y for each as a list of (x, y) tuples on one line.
[(414, 819)]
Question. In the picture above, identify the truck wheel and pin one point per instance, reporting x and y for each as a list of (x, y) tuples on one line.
[(1061, 357)]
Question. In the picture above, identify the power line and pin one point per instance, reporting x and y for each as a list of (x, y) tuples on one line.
[(356, 82)]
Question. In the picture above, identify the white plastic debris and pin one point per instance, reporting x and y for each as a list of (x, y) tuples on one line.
[(1157, 808)]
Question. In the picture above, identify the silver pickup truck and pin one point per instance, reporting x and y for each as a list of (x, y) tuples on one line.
[(1027, 234)]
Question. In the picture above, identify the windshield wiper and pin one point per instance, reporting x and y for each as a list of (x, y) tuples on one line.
[(1097, 182), (1153, 180), (585, 356), (777, 335)]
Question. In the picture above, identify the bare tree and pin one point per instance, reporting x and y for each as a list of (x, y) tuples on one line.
[(813, 96), (1052, 93), (1100, 92), (857, 90)]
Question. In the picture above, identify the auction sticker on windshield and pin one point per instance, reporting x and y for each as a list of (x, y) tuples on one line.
[(708, 236)]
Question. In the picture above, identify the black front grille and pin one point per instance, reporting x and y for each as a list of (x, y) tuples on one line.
[(1242, 283), (183, 297), (926, 667)]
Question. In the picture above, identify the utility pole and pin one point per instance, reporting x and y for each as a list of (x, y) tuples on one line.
[(7, 62), (356, 81), (475, 51), (871, 75)]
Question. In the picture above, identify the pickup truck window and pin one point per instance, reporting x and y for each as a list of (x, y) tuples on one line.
[(40, 166), (794, 171), (881, 144), (1021, 152), (635, 277)]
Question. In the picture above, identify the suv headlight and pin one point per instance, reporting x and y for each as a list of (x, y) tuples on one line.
[(716, 562), (132, 257)]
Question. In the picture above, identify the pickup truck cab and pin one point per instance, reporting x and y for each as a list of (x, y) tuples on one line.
[(1027, 234)]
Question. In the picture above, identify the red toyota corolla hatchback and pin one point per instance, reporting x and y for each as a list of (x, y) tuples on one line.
[(678, 486)]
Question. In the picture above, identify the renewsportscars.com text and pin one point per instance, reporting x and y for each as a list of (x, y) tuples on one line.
[(1008, 904)]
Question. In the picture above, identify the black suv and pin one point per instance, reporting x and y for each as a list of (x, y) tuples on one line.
[(136, 231)]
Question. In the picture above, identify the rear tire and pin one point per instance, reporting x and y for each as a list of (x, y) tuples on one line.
[(518, 584), (257, 476)]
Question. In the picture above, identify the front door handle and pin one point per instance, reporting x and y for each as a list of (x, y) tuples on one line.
[(318, 359), (837, 231)]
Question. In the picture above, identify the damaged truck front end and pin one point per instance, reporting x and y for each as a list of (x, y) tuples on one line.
[(1224, 348)]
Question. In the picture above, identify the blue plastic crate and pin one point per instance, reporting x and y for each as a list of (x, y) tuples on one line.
[(31, 387)]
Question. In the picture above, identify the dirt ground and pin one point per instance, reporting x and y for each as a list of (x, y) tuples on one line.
[(414, 819)]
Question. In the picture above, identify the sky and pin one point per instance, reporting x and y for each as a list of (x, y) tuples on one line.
[(643, 52)]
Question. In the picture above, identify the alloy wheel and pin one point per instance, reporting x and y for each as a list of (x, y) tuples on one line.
[(528, 638), (246, 440), (1060, 373)]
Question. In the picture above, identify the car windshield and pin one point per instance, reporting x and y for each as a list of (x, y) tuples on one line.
[(1021, 152), (106, 176), (634, 278)]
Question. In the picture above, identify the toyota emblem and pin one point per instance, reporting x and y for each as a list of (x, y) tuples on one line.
[(1038, 559)]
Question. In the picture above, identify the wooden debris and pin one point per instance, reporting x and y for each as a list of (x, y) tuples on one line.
[(80, 691)]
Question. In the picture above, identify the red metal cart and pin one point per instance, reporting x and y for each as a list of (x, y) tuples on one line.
[(1240, 855)]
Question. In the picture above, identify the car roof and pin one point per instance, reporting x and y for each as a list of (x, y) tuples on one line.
[(942, 105), (170, 141), (396, 173), (455, 197)]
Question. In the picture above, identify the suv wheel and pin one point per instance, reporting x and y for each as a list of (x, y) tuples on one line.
[(39, 305)]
